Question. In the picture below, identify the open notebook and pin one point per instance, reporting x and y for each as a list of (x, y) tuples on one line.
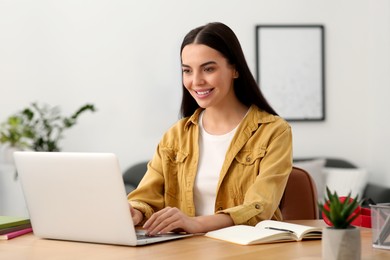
[(79, 197), (266, 231)]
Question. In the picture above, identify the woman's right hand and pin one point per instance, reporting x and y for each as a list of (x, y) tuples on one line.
[(136, 215)]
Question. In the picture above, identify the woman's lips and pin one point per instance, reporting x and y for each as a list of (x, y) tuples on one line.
[(203, 93)]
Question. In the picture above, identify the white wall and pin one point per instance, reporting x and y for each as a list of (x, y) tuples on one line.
[(123, 56), (378, 103)]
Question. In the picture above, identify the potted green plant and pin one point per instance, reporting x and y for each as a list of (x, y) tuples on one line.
[(341, 240), (38, 127)]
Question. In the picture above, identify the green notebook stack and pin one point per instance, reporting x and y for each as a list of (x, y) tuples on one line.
[(13, 225)]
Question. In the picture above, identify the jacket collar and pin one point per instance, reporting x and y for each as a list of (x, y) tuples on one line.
[(193, 120), (254, 115)]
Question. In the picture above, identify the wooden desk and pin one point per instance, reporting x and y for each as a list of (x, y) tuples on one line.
[(198, 247)]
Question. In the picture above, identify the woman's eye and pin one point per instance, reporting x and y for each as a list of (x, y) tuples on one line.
[(209, 69), (186, 71)]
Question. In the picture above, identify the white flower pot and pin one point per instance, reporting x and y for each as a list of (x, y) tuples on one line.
[(341, 244)]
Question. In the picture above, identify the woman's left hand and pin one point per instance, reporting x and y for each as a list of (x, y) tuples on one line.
[(171, 219)]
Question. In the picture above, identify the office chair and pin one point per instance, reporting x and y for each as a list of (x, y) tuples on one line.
[(133, 175), (299, 200)]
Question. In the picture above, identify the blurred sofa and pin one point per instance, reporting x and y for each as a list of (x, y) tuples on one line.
[(343, 176)]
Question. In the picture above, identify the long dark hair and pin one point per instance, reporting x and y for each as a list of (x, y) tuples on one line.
[(221, 38)]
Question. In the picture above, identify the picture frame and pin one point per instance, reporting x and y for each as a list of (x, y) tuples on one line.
[(290, 69)]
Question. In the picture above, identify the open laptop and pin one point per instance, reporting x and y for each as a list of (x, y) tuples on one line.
[(79, 197)]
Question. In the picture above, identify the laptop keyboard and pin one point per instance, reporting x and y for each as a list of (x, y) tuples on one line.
[(143, 236)]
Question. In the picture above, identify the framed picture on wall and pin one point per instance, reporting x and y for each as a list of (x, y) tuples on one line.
[(290, 70)]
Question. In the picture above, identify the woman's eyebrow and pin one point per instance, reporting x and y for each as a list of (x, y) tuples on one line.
[(201, 65)]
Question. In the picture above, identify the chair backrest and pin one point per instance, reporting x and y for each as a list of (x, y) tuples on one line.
[(299, 200), (133, 175)]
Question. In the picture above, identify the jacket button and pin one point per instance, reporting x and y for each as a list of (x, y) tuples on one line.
[(257, 206), (220, 208), (248, 159)]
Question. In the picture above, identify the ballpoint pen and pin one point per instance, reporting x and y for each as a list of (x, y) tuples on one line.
[(279, 229)]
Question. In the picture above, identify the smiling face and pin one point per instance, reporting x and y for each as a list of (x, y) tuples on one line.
[(208, 76)]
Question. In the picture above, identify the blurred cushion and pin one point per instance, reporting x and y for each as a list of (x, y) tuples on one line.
[(344, 180), (377, 193), (315, 169)]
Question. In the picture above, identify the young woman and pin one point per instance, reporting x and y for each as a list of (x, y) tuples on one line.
[(227, 161)]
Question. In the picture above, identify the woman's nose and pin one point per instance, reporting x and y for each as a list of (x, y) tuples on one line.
[(198, 79)]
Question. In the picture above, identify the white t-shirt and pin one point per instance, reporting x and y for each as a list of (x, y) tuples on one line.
[(212, 151)]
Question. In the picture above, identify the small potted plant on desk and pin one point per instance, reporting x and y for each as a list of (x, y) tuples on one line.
[(340, 241)]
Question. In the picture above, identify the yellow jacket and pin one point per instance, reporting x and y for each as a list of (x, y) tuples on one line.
[(252, 179)]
